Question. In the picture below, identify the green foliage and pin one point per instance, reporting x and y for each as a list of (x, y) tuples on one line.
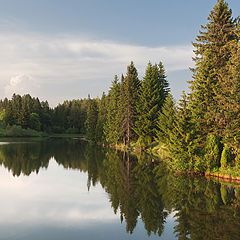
[(72, 131), (26, 112), (152, 93), (92, 118), (101, 119), (213, 150), (3, 115), (226, 156), (143, 142), (112, 126), (129, 98), (178, 133), (34, 121), (166, 121), (18, 131), (212, 54)]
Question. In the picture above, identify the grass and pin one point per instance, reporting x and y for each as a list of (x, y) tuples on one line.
[(67, 135)]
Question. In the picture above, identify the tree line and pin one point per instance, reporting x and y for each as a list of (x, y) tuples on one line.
[(201, 132), (30, 112), (204, 127)]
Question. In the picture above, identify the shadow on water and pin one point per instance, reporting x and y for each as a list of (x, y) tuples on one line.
[(203, 208)]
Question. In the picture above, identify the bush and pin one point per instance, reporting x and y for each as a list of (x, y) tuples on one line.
[(18, 131), (226, 156), (213, 151)]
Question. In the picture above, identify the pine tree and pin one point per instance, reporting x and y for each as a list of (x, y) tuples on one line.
[(152, 94), (212, 55)]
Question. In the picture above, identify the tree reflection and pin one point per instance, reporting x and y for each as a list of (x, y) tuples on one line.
[(137, 188)]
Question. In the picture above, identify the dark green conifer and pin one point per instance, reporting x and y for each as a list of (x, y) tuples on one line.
[(152, 94), (91, 121), (212, 55), (112, 128), (102, 116), (166, 121), (131, 86), (228, 97), (183, 143)]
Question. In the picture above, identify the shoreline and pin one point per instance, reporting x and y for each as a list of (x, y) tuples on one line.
[(160, 154)]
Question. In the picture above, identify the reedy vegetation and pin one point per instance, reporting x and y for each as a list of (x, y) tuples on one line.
[(201, 133)]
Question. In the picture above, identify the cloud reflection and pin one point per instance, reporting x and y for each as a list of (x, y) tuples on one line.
[(54, 196)]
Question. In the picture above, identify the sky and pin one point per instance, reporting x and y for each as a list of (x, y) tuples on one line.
[(66, 49)]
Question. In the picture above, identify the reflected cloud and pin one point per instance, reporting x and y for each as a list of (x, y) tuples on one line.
[(54, 196)]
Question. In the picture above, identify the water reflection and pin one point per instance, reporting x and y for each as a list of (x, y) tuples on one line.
[(139, 191)]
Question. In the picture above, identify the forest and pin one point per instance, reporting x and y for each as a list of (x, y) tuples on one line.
[(199, 133)]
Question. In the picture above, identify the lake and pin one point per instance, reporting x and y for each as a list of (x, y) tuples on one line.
[(71, 189)]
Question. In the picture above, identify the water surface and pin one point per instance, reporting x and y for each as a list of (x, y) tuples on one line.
[(70, 189)]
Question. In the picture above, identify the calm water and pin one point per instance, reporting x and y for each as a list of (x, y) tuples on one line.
[(69, 189)]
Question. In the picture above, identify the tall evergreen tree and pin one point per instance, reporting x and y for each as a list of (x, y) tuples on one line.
[(131, 86), (166, 121), (212, 55), (112, 130), (152, 93), (229, 101), (183, 144), (91, 121), (102, 115)]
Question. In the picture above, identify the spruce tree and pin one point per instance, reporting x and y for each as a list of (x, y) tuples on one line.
[(131, 86), (166, 121), (91, 121), (152, 94), (102, 114), (183, 142), (212, 55), (228, 98), (112, 125)]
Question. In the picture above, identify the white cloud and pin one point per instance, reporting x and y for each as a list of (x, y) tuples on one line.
[(21, 84), (60, 67)]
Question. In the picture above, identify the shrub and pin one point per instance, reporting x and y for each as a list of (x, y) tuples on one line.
[(213, 149), (143, 142), (18, 131)]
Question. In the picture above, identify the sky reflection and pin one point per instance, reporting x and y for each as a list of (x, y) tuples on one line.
[(56, 204)]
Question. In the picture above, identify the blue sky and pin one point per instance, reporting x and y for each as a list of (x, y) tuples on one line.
[(65, 49)]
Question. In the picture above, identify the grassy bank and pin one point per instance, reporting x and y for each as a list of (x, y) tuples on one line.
[(18, 131)]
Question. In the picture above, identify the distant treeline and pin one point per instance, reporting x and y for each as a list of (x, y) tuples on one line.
[(200, 133), (29, 112), (117, 116)]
